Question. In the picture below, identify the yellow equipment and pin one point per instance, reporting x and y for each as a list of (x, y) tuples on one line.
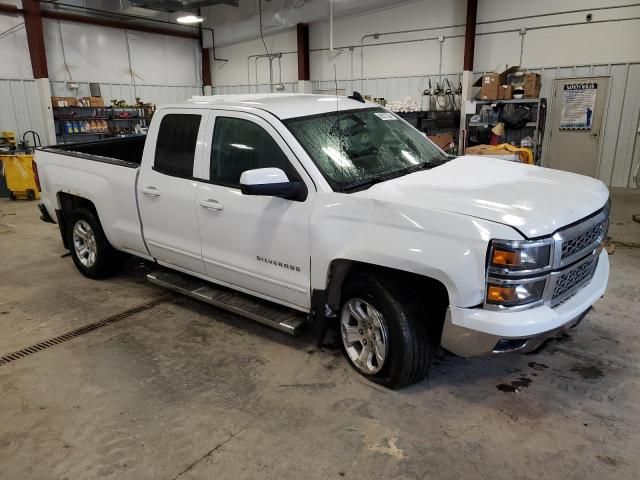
[(18, 172), (8, 139)]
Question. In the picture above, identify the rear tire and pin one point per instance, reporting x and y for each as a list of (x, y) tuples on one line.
[(92, 253), (401, 350)]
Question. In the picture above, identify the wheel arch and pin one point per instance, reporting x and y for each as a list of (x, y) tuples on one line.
[(432, 292), (68, 203)]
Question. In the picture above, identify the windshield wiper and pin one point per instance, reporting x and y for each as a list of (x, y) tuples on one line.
[(368, 182), (363, 184), (437, 163)]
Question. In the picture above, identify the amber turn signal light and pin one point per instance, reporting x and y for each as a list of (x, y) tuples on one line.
[(497, 294), (505, 258)]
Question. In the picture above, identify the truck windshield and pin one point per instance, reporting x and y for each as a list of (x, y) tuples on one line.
[(356, 148)]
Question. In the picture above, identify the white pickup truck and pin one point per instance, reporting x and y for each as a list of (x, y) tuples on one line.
[(295, 209)]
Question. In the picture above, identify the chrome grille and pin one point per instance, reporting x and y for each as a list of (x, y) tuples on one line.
[(566, 283), (584, 240)]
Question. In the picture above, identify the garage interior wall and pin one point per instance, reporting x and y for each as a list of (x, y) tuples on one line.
[(395, 66), (165, 68)]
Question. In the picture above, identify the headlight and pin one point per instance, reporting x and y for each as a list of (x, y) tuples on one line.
[(515, 293), (507, 257), (517, 272)]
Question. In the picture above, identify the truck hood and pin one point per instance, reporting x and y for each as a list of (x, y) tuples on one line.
[(536, 201)]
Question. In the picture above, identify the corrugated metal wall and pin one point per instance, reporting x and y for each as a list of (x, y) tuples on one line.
[(391, 88), (289, 87), (20, 106)]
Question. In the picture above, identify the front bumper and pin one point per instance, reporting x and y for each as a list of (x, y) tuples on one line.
[(471, 332)]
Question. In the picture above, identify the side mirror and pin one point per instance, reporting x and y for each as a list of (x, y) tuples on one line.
[(272, 182)]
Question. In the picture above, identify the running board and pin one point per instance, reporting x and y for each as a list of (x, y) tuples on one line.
[(270, 314)]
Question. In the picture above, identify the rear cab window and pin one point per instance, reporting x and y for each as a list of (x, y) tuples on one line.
[(176, 144)]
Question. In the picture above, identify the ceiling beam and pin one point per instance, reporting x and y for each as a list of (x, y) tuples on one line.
[(113, 23), (11, 9)]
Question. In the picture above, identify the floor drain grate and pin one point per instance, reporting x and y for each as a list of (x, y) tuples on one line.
[(25, 352)]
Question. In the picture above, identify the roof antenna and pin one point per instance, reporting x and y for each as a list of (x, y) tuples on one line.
[(357, 97)]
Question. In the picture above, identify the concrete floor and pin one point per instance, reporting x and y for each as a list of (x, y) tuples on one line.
[(183, 390)]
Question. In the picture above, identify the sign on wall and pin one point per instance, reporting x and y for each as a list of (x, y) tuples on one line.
[(578, 102)]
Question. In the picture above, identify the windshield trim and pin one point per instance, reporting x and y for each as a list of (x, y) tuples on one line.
[(335, 186)]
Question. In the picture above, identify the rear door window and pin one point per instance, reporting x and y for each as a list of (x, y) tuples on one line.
[(176, 145)]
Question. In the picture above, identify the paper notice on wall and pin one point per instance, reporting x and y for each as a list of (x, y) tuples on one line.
[(578, 103)]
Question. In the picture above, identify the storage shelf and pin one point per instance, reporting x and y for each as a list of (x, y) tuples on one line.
[(480, 124), (508, 100), (106, 107), (83, 133)]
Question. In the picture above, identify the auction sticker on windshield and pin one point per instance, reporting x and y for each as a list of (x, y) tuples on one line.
[(385, 116)]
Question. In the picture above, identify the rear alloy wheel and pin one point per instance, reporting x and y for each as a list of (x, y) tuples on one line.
[(92, 253), (84, 243)]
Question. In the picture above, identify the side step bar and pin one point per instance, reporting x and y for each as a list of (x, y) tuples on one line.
[(276, 316)]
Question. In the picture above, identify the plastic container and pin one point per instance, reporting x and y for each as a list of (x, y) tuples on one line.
[(18, 172)]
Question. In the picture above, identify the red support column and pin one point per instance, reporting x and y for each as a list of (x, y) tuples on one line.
[(206, 67), (35, 38), (303, 51), (470, 34)]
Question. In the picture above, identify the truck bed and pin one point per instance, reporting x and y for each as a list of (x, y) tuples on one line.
[(125, 151)]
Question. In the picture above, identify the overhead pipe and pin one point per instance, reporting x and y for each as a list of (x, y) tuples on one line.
[(270, 56), (331, 25), (486, 22)]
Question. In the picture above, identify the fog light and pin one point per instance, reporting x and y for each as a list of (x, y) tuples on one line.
[(509, 345)]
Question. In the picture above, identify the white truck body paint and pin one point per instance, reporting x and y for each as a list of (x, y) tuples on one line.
[(436, 223)]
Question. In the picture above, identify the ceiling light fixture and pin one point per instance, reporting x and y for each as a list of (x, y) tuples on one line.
[(189, 19)]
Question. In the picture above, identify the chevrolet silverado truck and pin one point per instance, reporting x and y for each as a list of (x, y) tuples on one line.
[(331, 211)]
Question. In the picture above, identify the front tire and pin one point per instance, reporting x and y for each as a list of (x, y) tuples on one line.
[(92, 253), (384, 332)]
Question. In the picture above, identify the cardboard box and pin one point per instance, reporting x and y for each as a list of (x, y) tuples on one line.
[(442, 140), (63, 101), (505, 92), (96, 101), (490, 85), (484, 150), (532, 83), (490, 82)]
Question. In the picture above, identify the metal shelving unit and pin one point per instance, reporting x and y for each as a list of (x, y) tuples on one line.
[(120, 121), (535, 129)]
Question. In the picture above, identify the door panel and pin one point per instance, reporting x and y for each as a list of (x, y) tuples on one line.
[(258, 243), (167, 193), (577, 149)]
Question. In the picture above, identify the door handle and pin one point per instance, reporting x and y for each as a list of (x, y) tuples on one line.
[(151, 191), (211, 204)]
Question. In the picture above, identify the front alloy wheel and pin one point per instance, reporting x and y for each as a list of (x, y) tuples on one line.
[(364, 335), (384, 331)]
